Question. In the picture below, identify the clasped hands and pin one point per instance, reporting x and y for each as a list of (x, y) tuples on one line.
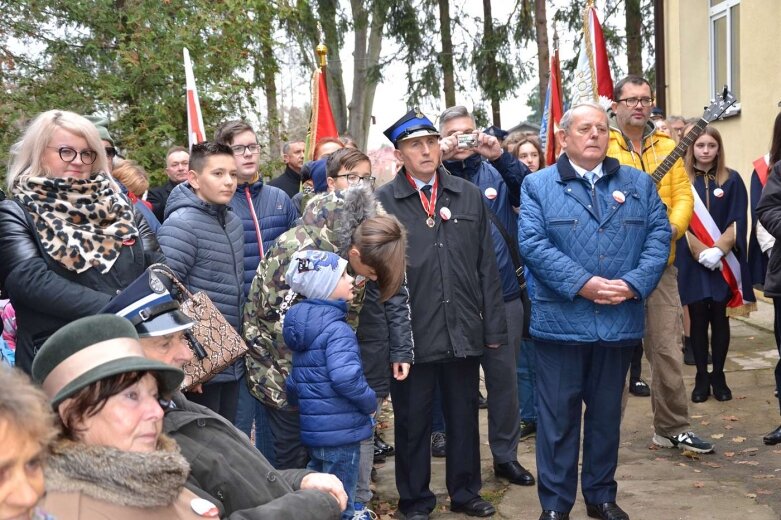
[(606, 292), (711, 258)]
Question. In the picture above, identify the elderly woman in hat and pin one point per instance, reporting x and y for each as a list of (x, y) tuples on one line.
[(26, 430), (111, 459), (69, 239)]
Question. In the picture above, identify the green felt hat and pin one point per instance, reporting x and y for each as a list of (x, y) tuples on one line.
[(101, 123), (94, 348)]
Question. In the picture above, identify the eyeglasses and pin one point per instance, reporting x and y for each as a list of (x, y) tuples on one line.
[(353, 179), (241, 149), (68, 154), (632, 102), (111, 152)]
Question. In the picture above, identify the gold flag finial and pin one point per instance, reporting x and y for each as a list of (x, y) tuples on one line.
[(322, 52), (589, 4)]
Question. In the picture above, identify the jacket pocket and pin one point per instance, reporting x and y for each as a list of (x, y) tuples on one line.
[(561, 231), (634, 221)]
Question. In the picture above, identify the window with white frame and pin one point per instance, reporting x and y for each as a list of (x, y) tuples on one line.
[(725, 46)]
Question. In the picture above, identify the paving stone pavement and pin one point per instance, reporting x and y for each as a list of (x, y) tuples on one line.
[(742, 479)]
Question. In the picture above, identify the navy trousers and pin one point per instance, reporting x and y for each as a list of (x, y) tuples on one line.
[(412, 400), (567, 377)]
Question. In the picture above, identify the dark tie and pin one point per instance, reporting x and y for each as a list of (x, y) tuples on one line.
[(426, 190)]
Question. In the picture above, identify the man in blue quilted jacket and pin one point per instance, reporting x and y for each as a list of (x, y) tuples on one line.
[(596, 237)]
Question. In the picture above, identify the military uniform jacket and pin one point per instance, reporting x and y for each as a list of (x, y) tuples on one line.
[(453, 279)]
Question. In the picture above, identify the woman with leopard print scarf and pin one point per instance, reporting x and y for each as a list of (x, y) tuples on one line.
[(69, 239)]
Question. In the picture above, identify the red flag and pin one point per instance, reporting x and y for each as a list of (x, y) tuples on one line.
[(601, 63), (195, 131), (554, 110), (322, 123)]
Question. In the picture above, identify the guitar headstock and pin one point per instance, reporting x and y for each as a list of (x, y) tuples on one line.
[(720, 105)]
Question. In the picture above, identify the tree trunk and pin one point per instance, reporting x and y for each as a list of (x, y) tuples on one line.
[(490, 68), (446, 58), (368, 46), (634, 28), (336, 95), (266, 69), (543, 55)]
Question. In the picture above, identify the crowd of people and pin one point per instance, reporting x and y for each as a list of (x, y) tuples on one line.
[(550, 279)]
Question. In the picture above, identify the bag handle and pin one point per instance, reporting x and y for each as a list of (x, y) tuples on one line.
[(169, 273)]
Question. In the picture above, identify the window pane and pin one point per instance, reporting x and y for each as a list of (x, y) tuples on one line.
[(719, 52), (735, 50), (714, 3)]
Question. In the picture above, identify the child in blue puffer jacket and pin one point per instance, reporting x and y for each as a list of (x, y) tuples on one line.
[(327, 382)]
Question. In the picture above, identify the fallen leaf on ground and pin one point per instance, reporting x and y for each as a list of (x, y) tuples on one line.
[(698, 484), (690, 454), (728, 427), (705, 423), (731, 418), (764, 492), (762, 477), (751, 495), (738, 439), (750, 451), (717, 435), (729, 453), (711, 464)]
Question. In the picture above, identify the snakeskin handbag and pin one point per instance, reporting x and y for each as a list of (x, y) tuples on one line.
[(213, 340)]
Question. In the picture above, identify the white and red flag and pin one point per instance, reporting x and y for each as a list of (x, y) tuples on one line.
[(552, 112), (592, 81), (195, 130)]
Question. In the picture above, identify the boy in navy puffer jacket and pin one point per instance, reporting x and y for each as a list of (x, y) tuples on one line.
[(327, 381)]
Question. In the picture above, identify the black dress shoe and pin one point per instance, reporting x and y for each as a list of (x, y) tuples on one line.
[(606, 511), (553, 515), (701, 389), (719, 386), (639, 388), (514, 472), (772, 438), (475, 507), (379, 456), (384, 447)]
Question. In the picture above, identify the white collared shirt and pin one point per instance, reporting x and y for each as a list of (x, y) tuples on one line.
[(582, 171)]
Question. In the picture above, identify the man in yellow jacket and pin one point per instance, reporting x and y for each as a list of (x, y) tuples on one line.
[(635, 142)]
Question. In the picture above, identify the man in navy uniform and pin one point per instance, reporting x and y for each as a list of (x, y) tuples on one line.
[(595, 235), (456, 310)]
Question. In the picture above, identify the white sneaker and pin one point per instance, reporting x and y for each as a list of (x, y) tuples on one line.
[(684, 441), (362, 513)]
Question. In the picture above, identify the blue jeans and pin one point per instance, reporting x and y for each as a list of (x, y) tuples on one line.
[(249, 410), (527, 381), (341, 461)]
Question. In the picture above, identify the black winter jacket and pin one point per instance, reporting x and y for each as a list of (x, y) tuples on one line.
[(45, 295), (384, 336), (225, 467), (158, 197), (453, 279), (769, 213), (204, 245)]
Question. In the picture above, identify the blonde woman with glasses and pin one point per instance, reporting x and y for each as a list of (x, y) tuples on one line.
[(69, 238)]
